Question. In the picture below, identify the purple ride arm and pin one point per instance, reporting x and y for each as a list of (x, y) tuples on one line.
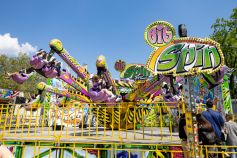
[(56, 45), (66, 77), (109, 81), (55, 90), (215, 78), (49, 72), (148, 88), (157, 93), (158, 85)]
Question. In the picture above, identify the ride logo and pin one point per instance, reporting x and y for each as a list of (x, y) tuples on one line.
[(159, 34), (180, 56), (186, 56), (136, 72)]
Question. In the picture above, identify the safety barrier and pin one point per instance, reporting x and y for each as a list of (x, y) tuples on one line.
[(108, 150), (105, 150), (222, 151), (82, 130), (126, 122)]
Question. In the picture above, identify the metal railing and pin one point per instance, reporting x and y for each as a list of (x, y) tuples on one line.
[(108, 150), (124, 122), (81, 130)]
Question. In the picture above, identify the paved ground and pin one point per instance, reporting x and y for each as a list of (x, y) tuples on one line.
[(146, 135)]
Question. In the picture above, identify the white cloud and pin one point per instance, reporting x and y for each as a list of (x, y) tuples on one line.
[(11, 47)]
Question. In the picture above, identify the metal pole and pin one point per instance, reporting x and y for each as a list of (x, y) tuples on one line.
[(190, 105), (190, 108)]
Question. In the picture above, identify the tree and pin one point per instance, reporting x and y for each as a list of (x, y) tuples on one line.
[(225, 33), (14, 64)]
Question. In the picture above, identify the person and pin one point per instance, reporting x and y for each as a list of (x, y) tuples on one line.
[(231, 132), (33, 104), (215, 118), (5, 152), (166, 91), (206, 132), (217, 122), (41, 53), (57, 66), (183, 135)]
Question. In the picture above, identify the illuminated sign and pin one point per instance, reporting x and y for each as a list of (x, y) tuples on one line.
[(185, 56)]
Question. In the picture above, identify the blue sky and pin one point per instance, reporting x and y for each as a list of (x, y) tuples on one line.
[(113, 28)]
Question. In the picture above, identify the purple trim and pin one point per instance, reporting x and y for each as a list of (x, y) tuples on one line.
[(157, 93), (84, 92)]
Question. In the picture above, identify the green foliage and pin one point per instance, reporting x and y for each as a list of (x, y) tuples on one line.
[(14, 64), (225, 32)]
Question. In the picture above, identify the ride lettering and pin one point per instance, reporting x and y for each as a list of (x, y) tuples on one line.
[(182, 57), (134, 72), (160, 34)]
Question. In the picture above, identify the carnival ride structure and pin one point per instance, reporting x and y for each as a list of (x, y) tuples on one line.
[(138, 89), (180, 73), (148, 89)]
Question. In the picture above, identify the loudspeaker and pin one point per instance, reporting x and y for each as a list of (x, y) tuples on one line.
[(182, 30)]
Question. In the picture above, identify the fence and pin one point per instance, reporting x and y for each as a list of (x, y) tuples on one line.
[(153, 123), (75, 150), (105, 150), (95, 130)]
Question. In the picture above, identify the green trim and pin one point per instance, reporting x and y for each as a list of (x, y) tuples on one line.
[(61, 152), (51, 53), (18, 153), (45, 153), (73, 152), (104, 153)]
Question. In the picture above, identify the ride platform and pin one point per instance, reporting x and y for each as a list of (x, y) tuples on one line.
[(144, 135)]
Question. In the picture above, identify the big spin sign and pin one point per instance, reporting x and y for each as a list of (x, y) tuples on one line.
[(180, 56)]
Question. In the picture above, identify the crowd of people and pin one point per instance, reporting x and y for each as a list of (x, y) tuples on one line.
[(214, 130)]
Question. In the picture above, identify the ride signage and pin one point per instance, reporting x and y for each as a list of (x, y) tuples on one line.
[(135, 72), (159, 33), (185, 56)]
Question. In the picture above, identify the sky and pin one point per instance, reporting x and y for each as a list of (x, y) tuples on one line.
[(89, 28)]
